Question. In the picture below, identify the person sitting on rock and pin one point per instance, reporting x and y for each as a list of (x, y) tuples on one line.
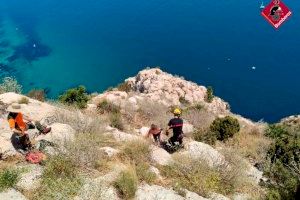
[(155, 132), (20, 123), (176, 124)]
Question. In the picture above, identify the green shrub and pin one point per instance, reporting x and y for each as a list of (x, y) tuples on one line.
[(10, 84), (75, 96), (209, 94), (116, 121), (125, 87), (144, 174), (283, 162), (225, 128), (107, 107), (8, 178), (137, 151), (39, 95), (23, 100), (59, 180), (205, 136), (126, 184)]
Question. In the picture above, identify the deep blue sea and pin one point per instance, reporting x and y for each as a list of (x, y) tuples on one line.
[(57, 44)]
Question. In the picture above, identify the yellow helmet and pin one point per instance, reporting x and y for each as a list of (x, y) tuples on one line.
[(177, 111)]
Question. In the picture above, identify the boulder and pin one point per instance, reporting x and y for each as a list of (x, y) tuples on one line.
[(193, 196), (187, 128), (121, 136), (199, 150), (12, 194), (144, 131), (110, 152), (30, 180), (216, 196), (60, 134), (254, 174), (155, 192), (160, 156)]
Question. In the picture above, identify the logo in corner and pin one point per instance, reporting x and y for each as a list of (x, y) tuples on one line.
[(276, 13)]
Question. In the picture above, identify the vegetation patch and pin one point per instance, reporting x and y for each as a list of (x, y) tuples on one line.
[(283, 163), (116, 121), (37, 94), (107, 107), (125, 87), (209, 94), (126, 184), (225, 128), (8, 179), (76, 96), (60, 179), (10, 84), (23, 100)]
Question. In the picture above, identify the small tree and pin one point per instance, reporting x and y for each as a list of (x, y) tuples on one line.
[(209, 94), (75, 96), (10, 84), (225, 128)]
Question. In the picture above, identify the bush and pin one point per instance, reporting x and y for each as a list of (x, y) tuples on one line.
[(137, 151), (59, 180), (10, 84), (209, 94), (116, 121), (75, 96), (23, 100), (283, 162), (8, 179), (39, 95), (125, 87), (205, 136), (107, 107), (126, 184), (225, 128), (144, 174)]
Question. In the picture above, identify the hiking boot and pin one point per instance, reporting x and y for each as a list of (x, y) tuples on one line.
[(46, 130)]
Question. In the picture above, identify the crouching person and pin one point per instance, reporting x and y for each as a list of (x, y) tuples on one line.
[(155, 132), (19, 124)]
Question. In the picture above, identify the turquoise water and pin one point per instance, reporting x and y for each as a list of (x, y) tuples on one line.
[(57, 44)]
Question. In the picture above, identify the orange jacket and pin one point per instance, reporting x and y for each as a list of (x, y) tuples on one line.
[(17, 122)]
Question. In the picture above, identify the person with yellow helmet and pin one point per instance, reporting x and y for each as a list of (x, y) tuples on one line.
[(176, 124)]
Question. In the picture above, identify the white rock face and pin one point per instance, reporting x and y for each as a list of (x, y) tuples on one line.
[(12, 194), (239, 196), (199, 150), (193, 196), (216, 196), (31, 179), (254, 174), (168, 89), (121, 136), (160, 156), (116, 97), (110, 152), (36, 110), (60, 134), (155, 192), (187, 128), (144, 131)]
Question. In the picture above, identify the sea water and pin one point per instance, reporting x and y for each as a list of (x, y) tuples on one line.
[(55, 45)]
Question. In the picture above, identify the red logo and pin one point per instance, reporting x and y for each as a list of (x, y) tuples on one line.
[(276, 13)]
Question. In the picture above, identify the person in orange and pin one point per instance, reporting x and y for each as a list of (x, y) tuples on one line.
[(20, 123), (155, 132)]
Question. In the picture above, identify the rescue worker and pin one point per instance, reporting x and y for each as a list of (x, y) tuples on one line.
[(176, 124)]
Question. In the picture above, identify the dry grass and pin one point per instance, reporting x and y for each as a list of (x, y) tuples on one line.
[(200, 118), (251, 143), (81, 122)]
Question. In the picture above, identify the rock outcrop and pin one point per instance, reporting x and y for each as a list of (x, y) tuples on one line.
[(12, 194)]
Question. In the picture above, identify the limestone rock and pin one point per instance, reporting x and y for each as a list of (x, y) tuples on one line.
[(160, 156), (110, 152), (187, 128), (144, 131), (155, 192), (240, 196), (121, 136), (193, 196), (199, 150), (12, 194), (216, 196), (30, 180), (60, 134), (254, 174)]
